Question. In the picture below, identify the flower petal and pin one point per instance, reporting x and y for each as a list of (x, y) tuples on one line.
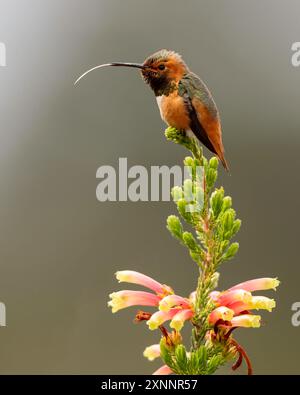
[(152, 352), (246, 321), (214, 295), (258, 284), (130, 276), (262, 302), (122, 299), (180, 318), (256, 303), (220, 313), (160, 317), (231, 296), (173, 300), (163, 370)]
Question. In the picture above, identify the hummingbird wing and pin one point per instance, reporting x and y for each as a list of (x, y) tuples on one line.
[(203, 114)]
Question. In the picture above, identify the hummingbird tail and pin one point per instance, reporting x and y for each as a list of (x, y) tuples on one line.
[(224, 162)]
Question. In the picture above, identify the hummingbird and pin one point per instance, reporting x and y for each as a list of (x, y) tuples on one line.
[(183, 98)]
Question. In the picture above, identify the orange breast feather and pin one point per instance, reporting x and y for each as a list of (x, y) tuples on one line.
[(173, 111)]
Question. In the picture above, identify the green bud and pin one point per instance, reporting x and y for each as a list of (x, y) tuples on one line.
[(181, 357), (227, 203), (224, 244), (213, 163), (228, 219), (166, 352), (190, 241), (236, 226), (199, 198), (211, 177), (216, 201), (189, 161), (188, 190), (182, 207), (231, 251), (177, 193), (174, 226), (196, 256)]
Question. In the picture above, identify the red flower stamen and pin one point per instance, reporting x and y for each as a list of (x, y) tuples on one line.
[(241, 351)]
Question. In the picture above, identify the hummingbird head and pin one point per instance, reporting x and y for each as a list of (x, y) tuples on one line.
[(162, 70)]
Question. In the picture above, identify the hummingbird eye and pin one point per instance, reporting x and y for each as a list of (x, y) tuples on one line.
[(161, 67)]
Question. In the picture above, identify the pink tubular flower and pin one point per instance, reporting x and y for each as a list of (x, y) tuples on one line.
[(220, 313), (258, 284), (214, 295), (227, 311), (179, 319), (130, 276), (244, 320), (158, 318), (122, 299), (173, 301), (233, 310), (152, 352), (233, 307), (163, 370), (169, 304), (256, 303), (232, 296)]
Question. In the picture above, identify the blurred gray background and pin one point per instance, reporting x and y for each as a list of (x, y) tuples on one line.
[(59, 246)]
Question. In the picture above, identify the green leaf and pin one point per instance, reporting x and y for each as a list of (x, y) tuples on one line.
[(177, 193), (174, 226), (216, 201), (183, 209), (190, 241), (211, 177), (166, 354), (236, 226), (227, 203), (214, 163), (181, 357), (189, 162), (227, 220), (231, 251)]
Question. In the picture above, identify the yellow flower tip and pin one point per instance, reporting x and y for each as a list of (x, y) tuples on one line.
[(262, 302), (220, 313), (113, 308), (276, 283), (170, 301), (152, 352), (177, 324), (227, 314), (253, 321), (245, 296), (256, 321), (122, 276), (153, 324), (116, 303), (270, 308), (246, 321), (164, 306)]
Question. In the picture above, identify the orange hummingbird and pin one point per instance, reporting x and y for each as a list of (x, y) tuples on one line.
[(183, 99)]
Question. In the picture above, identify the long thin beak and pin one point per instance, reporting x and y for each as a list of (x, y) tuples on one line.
[(122, 64)]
